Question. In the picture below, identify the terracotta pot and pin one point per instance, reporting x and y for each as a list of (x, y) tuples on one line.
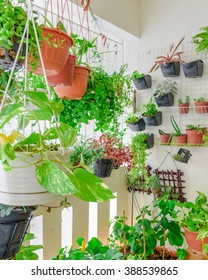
[(165, 139), (180, 140), (183, 108), (54, 59), (201, 107), (65, 77), (79, 84), (195, 246), (195, 137)]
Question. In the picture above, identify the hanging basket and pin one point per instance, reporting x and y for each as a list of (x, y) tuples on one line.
[(20, 186), (65, 77), (54, 58), (193, 69), (144, 82), (138, 125), (153, 120), (79, 84), (7, 57), (183, 155), (12, 231), (171, 69), (165, 100)]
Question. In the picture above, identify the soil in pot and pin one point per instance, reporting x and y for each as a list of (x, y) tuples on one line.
[(183, 108), (160, 254), (171, 69)]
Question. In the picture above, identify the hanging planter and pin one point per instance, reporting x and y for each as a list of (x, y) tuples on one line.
[(54, 51), (144, 82), (150, 141), (12, 231), (171, 69), (153, 120), (66, 75), (193, 69), (18, 187), (79, 84), (165, 100), (139, 125), (103, 167), (183, 155)]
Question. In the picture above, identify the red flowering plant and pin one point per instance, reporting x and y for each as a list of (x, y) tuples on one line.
[(87, 151), (172, 56)]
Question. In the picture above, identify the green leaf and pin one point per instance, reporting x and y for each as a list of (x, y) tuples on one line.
[(33, 138), (7, 167), (181, 253), (39, 99), (79, 240), (38, 115), (9, 112), (9, 151), (56, 181), (202, 233), (90, 187)]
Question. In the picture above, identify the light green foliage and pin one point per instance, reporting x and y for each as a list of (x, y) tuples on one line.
[(200, 40), (166, 86)]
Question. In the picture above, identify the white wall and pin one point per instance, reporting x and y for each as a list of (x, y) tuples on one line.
[(162, 23)]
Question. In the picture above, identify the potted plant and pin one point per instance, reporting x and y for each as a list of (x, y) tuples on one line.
[(104, 154), (134, 122), (164, 93), (105, 101), (201, 105), (12, 26), (169, 64), (151, 115), (141, 81), (193, 69), (178, 137), (200, 40), (184, 106), (165, 138), (194, 220), (81, 47), (195, 134), (12, 220), (183, 155)]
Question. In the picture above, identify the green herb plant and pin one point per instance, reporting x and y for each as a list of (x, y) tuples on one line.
[(175, 127), (166, 86), (186, 101), (149, 109), (137, 75), (200, 40)]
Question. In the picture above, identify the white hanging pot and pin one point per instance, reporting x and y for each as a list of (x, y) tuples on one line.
[(20, 186)]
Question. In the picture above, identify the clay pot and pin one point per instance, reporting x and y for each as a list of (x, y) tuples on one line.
[(165, 138), (195, 246), (201, 107), (54, 59), (183, 108), (66, 75), (180, 140), (195, 137), (79, 84)]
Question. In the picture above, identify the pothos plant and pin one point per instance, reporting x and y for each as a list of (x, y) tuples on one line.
[(34, 149), (106, 98)]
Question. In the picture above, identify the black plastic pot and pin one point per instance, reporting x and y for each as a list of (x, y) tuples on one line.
[(12, 231), (103, 167), (138, 125), (193, 69), (153, 120), (185, 155), (150, 141), (171, 69), (7, 57), (144, 82), (166, 100)]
